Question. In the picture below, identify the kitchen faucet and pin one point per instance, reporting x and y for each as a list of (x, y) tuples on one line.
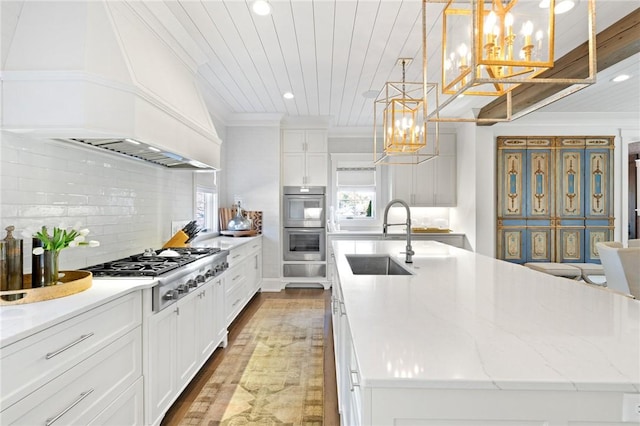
[(409, 252)]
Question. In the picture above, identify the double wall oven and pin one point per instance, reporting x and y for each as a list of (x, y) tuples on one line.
[(304, 235)]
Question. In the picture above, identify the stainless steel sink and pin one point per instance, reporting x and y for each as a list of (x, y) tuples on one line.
[(372, 264)]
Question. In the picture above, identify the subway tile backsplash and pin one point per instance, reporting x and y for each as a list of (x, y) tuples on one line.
[(128, 205)]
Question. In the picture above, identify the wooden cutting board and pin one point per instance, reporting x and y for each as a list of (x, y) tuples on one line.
[(225, 214)]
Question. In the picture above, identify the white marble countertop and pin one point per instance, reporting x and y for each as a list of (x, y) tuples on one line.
[(469, 321), (224, 242), (20, 321), (391, 232)]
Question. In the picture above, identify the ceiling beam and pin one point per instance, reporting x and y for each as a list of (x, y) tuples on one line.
[(618, 42)]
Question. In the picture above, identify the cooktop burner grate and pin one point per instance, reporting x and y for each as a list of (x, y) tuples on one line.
[(150, 264)]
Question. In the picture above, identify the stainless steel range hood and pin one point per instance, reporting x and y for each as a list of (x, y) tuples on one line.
[(132, 148), (91, 72)]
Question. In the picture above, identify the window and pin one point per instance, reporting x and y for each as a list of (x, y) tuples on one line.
[(356, 193), (206, 201)]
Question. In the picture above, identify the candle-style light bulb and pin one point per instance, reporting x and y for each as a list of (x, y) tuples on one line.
[(539, 37), (527, 30), (462, 52), (508, 36), (490, 22), (508, 23)]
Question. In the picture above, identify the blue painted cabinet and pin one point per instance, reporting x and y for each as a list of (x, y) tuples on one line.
[(554, 198)]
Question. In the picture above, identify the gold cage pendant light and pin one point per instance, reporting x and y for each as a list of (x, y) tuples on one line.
[(513, 40), (404, 116), (490, 47)]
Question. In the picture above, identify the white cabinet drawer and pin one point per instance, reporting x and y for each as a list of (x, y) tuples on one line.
[(127, 410), (35, 360), (254, 246), (235, 276), (237, 255), (80, 394), (234, 300)]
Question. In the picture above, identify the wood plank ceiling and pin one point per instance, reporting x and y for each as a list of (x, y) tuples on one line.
[(329, 53)]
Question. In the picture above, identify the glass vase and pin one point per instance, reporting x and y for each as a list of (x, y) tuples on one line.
[(50, 273)]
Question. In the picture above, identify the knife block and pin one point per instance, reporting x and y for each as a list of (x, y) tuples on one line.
[(179, 239)]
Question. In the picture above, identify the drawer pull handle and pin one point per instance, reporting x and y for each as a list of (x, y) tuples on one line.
[(82, 396), (236, 302), (235, 257), (70, 345), (343, 312), (236, 277)]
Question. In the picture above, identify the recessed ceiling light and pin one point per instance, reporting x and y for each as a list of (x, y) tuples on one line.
[(563, 6), (619, 78), (261, 7), (152, 148), (288, 95), (131, 141)]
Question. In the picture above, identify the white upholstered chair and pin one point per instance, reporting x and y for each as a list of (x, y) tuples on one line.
[(621, 267)]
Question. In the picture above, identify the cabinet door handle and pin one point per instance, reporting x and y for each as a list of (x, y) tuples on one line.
[(70, 345), (354, 383), (236, 302), (236, 277), (235, 257), (82, 396), (343, 312)]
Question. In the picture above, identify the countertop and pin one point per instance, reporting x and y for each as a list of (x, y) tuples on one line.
[(469, 321), (20, 321), (378, 233)]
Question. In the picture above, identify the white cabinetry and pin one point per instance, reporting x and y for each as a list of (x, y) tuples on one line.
[(243, 278), (304, 157), (347, 371), (181, 338), (76, 371), (429, 184)]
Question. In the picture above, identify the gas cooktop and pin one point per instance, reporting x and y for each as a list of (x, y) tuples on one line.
[(151, 263)]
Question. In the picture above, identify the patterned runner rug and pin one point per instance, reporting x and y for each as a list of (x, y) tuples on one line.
[(272, 373)]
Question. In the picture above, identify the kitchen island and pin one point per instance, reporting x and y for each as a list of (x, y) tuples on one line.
[(477, 341)]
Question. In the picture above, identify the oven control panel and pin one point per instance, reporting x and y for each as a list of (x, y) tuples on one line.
[(187, 279)]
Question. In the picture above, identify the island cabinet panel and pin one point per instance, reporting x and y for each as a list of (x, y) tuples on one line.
[(554, 198), (458, 407)]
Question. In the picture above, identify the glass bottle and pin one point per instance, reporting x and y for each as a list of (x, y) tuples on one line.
[(4, 273), (36, 265), (13, 249)]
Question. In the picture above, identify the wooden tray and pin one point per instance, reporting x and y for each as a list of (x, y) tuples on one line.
[(249, 233), (430, 231), (71, 282)]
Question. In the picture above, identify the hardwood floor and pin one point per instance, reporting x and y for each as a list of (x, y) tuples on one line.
[(331, 416)]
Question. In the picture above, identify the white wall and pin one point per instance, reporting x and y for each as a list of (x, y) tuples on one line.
[(252, 173), (128, 205)]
